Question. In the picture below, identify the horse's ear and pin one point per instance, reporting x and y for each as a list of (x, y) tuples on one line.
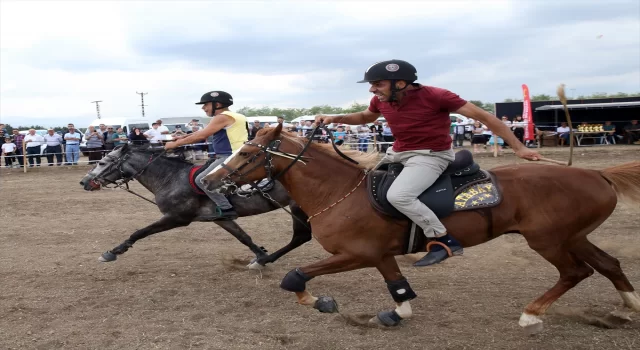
[(276, 132), (125, 148)]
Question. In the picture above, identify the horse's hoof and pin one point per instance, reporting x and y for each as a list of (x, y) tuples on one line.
[(531, 324), (107, 257), (255, 265), (326, 305), (386, 318)]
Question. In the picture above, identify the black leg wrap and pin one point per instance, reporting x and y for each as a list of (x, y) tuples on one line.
[(295, 281), (389, 318), (400, 290)]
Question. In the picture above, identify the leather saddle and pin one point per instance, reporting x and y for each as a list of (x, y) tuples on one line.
[(462, 186)]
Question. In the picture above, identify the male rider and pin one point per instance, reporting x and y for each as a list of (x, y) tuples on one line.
[(419, 119), (229, 134)]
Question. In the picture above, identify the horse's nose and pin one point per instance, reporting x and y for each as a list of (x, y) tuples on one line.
[(82, 182)]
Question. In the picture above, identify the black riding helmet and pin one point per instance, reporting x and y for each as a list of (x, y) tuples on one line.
[(222, 97), (392, 70)]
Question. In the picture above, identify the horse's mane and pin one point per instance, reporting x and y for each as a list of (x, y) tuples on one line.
[(365, 160), (146, 149)]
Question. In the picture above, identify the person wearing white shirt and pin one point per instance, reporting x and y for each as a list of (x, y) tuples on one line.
[(8, 152), (154, 135), (563, 133), (518, 126), (280, 121), (72, 145), (54, 147), (33, 142), (163, 129)]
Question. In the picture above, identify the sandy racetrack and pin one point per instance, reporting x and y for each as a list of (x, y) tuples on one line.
[(188, 288)]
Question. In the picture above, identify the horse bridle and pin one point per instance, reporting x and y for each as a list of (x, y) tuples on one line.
[(123, 182), (273, 148)]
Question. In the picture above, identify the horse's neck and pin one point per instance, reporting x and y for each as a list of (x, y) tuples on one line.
[(321, 182), (159, 173)]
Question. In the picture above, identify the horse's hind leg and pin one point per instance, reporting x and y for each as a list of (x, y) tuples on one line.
[(167, 222), (609, 267), (572, 271), (301, 235)]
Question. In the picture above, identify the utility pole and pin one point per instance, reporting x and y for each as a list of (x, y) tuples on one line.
[(97, 107), (142, 99)]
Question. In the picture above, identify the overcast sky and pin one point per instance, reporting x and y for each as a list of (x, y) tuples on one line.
[(56, 57)]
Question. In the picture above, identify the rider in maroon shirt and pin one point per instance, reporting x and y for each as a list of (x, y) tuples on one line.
[(418, 116)]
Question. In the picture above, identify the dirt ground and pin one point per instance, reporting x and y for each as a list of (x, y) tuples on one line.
[(189, 288)]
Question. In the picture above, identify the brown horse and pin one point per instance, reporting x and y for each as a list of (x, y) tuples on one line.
[(358, 236)]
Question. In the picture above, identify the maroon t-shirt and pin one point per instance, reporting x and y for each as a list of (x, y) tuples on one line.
[(421, 121)]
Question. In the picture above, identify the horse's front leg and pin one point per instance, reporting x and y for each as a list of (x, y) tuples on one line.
[(167, 222), (232, 227), (400, 290), (295, 281), (301, 235)]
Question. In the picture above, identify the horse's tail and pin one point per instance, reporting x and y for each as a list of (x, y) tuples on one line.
[(625, 180)]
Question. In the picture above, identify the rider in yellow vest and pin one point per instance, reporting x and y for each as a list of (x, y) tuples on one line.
[(229, 130)]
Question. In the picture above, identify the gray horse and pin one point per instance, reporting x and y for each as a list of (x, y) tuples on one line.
[(168, 179)]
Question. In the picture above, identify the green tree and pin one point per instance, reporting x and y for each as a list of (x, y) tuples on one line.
[(477, 103)]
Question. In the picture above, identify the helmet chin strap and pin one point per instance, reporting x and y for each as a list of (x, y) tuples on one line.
[(394, 90), (213, 104)]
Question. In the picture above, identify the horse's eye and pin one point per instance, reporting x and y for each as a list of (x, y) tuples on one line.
[(244, 154)]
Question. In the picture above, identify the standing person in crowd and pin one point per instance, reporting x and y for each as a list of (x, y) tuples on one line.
[(94, 144), (458, 133), (102, 129), (18, 140), (254, 129), (33, 142), (137, 137), (363, 138), (109, 142), (280, 120), (154, 135), (518, 126), (72, 145), (119, 138), (161, 128), (376, 131), (387, 137), (8, 152), (293, 128), (54, 147), (477, 138), (4, 129), (229, 133)]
